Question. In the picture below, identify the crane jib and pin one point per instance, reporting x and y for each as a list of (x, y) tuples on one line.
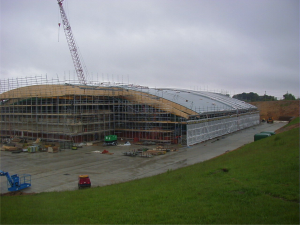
[(72, 45)]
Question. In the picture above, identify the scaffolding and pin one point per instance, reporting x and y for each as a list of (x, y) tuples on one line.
[(56, 110), (206, 129)]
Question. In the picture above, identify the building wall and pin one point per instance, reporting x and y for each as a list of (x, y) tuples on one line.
[(204, 130), (84, 113), (91, 119)]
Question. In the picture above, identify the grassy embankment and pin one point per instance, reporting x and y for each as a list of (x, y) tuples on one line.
[(256, 184), (294, 121)]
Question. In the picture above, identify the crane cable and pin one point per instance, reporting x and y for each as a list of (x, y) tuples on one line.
[(58, 23), (58, 31)]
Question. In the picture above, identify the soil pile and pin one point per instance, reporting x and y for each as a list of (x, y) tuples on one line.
[(279, 110)]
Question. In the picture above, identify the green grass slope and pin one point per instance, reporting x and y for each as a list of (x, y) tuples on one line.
[(294, 121), (256, 184)]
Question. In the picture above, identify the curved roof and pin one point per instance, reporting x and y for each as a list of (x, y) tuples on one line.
[(198, 101), (184, 103)]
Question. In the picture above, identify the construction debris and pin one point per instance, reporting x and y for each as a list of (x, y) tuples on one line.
[(167, 149), (127, 143), (131, 153), (32, 149), (149, 143), (106, 152), (52, 149), (37, 141), (79, 145), (148, 153), (155, 152), (16, 140), (9, 148)]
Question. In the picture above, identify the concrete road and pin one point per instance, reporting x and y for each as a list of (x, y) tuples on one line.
[(59, 171)]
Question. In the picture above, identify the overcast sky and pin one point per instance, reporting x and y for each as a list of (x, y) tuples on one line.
[(231, 46)]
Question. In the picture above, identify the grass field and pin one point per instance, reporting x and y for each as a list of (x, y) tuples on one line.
[(294, 121), (256, 184)]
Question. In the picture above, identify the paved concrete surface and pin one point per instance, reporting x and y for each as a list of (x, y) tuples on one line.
[(59, 171)]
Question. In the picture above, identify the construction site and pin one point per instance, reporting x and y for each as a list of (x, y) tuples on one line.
[(75, 111), (63, 111), (42, 114)]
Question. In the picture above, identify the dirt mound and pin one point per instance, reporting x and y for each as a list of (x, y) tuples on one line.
[(279, 110)]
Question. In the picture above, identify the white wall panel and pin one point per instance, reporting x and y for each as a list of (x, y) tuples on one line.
[(206, 130)]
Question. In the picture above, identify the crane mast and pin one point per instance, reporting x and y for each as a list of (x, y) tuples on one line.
[(72, 44)]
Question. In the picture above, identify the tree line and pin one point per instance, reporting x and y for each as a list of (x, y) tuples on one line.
[(254, 97)]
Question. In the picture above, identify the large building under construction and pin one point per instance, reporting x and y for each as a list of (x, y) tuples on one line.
[(56, 111)]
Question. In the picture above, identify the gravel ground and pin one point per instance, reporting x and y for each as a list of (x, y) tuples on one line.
[(59, 171)]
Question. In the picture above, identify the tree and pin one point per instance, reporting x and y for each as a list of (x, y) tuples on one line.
[(288, 96), (254, 97)]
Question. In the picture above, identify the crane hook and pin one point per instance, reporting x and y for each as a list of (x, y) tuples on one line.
[(58, 31)]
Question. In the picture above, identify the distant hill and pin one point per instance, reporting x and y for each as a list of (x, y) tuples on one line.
[(279, 110)]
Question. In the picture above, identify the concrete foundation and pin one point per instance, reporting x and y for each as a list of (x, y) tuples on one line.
[(59, 171)]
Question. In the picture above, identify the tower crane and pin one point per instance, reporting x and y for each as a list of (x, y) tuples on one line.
[(72, 44)]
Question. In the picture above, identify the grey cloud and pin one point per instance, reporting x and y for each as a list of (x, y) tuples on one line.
[(224, 45)]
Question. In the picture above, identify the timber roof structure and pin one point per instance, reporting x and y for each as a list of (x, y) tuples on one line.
[(180, 102)]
